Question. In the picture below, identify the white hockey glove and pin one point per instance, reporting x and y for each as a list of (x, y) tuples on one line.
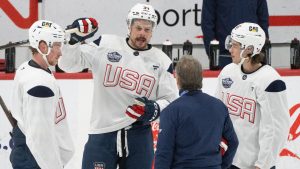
[(86, 28), (144, 110)]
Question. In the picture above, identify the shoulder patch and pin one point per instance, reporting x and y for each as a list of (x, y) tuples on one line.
[(114, 56), (40, 91), (227, 82), (97, 41), (276, 86)]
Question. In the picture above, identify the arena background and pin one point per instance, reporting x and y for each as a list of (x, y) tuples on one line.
[(179, 21), (16, 16)]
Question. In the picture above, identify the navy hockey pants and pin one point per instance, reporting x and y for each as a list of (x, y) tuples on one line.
[(100, 150), (20, 156)]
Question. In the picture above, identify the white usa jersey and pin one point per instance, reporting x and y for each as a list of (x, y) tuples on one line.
[(258, 108), (40, 112), (120, 75)]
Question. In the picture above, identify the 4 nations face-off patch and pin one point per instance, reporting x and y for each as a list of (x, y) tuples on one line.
[(114, 56), (227, 82)]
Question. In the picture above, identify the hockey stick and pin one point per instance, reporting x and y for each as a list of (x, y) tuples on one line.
[(11, 119), (23, 42), (14, 44)]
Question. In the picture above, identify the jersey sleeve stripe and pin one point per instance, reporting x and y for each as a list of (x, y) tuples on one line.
[(41, 91), (276, 86)]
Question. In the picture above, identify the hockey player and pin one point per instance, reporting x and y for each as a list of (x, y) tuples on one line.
[(219, 17), (133, 82), (192, 126), (256, 98), (41, 138)]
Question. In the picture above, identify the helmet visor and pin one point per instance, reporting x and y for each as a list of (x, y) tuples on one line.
[(228, 42)]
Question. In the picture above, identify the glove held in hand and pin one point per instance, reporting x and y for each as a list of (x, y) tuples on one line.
[(87, 27), (145, 110)]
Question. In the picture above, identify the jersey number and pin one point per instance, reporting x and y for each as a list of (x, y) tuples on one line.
[(60, 111)]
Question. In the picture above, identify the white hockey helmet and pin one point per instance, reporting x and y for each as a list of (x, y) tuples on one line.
[(247, 34), (142, 11), (47, 31)]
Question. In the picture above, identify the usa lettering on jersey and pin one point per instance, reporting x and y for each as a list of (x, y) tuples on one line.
[(243, 107), (129, 80)]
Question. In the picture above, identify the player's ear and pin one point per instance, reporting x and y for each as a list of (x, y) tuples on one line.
[(43, 47), (250, 49)]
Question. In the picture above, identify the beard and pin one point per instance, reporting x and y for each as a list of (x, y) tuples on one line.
[(139, 43)]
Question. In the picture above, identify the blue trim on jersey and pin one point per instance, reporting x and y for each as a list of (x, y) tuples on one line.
[(35, 65), (40, 91), (276, 86), (170, 69), (97, 41)]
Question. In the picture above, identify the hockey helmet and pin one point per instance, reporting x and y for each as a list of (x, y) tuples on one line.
[(47, 31), (142, 11), (247, 34)]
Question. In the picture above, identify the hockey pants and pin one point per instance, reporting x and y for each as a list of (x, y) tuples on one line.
[(101, 150), (20, 156)]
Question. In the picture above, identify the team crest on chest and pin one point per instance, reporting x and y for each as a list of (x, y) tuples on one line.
[(114, 56), (227, 82)]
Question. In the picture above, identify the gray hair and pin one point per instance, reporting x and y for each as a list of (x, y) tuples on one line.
[(189, 73)]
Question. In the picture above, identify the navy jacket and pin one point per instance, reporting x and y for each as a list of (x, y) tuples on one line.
[(191, 129), (219, 17)]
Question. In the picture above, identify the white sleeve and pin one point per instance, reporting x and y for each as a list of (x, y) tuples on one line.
[(77, 57), (274, 124), (167, 89), (39, 131), (63, 135)]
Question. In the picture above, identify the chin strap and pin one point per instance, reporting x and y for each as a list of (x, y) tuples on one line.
[(46, 60), (243, 58), (45, 55)]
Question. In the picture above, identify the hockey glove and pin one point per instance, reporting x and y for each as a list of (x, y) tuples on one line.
[(87, 27), (144, 110)]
